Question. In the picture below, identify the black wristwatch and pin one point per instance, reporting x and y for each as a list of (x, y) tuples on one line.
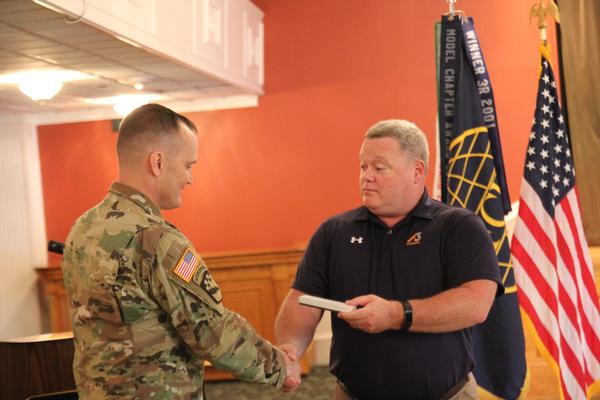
[(408, 312)]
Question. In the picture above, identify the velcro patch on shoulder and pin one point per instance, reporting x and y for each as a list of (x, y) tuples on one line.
[(151, 236), (205, 280), (187, 265)]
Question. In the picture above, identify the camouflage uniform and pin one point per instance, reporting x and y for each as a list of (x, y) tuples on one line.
[(141, 330)]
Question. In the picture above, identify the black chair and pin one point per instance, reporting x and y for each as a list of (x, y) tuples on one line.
[(66, 395)]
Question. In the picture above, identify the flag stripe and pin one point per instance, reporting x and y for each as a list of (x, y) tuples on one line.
[(587, 308), (539, 249), (587, 274), (535, 307), (543, 288), (531, 261), (187, 265), (553, 268), (588, 336), (567, 291), (531, 217)]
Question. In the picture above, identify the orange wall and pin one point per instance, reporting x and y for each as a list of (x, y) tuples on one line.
[(269, 175)]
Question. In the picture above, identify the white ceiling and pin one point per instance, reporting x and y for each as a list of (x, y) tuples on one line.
[(33, 37)]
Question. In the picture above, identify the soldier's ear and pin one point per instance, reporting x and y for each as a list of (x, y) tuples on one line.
[(157, 161)]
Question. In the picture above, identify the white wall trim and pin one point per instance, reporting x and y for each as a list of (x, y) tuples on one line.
[(322, 340), (23, 232), (322, 344)]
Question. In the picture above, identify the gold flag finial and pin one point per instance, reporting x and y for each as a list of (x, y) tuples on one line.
[(542, 11), (452, 11), (451, 8)]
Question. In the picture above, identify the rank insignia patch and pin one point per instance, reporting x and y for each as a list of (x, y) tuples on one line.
[(210, 286), (187, 265)]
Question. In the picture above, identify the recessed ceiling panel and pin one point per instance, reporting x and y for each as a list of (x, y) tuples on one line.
[(34, 37)]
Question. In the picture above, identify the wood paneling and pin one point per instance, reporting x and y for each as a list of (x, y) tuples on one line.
[(55, 309), (36, 365)]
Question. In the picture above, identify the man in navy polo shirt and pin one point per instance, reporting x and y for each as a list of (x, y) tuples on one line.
[(421, 272)]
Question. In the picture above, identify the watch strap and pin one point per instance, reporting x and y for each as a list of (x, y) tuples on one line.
[(408, 316)]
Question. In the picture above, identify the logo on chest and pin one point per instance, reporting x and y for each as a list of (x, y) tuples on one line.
[(414, 239), (355, 239)]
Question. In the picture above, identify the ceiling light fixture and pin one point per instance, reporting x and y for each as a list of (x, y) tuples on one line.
[(42, 85), (125, 103), (40, 88)]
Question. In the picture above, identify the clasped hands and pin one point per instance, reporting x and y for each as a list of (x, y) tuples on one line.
[(374, 315), (293, 370)]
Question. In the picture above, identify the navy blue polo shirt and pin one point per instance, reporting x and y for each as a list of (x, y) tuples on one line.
[(434, 248)]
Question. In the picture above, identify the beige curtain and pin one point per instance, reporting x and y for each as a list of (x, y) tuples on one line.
[(580, 28)]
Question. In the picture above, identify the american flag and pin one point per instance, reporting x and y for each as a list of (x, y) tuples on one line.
[(551, 258), (187, 265)]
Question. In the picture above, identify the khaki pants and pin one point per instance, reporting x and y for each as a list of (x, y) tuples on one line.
[(468, 392)]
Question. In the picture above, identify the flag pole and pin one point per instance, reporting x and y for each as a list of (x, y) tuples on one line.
[(541, 11), (451, 9)]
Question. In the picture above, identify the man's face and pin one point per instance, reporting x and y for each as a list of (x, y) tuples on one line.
[(388, 177), (178, 161)]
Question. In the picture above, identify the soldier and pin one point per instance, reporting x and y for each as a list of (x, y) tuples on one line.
[(145, 310)]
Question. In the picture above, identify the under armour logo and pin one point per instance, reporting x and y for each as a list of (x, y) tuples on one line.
[(355, 239), (414, 239)]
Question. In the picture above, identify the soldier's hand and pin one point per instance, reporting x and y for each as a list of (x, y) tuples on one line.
[(292, 380), (374, 315)]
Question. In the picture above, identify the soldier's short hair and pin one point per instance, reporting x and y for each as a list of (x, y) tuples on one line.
[(148, 123), (408, 135)]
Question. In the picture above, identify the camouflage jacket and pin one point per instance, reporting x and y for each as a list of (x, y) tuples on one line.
[(145, 310)]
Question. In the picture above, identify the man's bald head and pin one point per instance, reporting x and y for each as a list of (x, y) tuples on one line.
[(145, 128)]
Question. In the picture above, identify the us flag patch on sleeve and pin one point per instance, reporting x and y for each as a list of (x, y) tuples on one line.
[(187, 265)]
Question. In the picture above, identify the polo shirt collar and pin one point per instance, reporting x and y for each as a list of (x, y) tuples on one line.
[(137, 197), (423, 209)]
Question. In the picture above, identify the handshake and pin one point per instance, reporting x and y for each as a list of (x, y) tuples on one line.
[(292, 367)]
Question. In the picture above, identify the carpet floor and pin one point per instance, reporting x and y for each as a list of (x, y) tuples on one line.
[(318, 385)]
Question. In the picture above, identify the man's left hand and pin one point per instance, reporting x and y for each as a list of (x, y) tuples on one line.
[(374, 315)]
